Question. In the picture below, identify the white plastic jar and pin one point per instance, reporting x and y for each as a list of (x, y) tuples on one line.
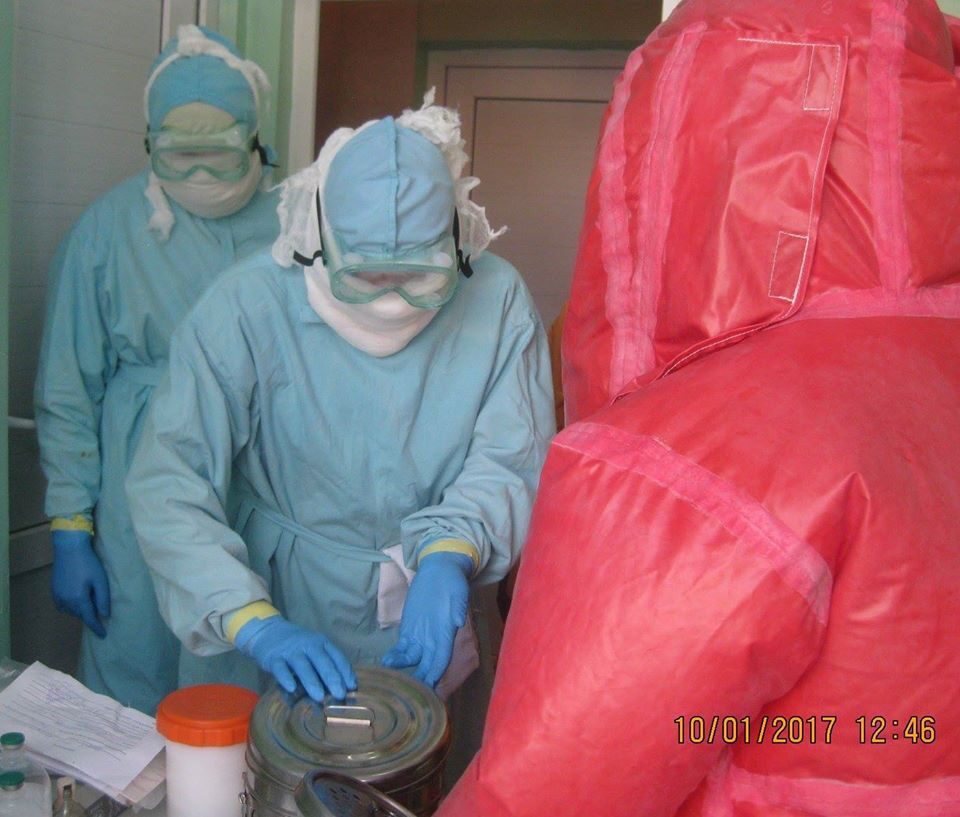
[(205, 728)]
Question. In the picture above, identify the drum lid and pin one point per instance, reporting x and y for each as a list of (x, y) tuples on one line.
[(392, 732)]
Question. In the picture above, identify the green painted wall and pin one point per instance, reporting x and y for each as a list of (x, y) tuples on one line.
[(263, 32), (951, 6), (6, 70)]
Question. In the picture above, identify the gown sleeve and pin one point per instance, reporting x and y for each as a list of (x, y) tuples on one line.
[(488, 505), (77, 361), (201, 416)]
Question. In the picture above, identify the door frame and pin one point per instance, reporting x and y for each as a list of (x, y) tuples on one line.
[(668, 7), (175, 13), (283, 38), (441, 63)]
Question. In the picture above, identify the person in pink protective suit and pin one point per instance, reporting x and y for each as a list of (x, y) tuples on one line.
[(754, 521)]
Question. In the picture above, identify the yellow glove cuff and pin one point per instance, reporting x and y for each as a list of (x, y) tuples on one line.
[(452, 546), (258, 609), (78, 522)]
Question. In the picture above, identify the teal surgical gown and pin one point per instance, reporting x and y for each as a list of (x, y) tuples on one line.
[(278, 461), (116, 294)]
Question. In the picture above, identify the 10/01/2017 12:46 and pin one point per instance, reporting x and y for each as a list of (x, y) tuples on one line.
[(797, 729)]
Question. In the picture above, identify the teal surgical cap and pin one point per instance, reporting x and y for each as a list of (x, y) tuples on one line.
[(388, 191), (200, 78)]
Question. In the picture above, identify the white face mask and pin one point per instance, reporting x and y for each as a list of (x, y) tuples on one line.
[(208, 197), (380, 328)]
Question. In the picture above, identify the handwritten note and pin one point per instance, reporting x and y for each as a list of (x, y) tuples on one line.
[(72, 730)]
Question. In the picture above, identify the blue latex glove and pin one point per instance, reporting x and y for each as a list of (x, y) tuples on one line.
[(436, 607), (291, 653), (80, 585)]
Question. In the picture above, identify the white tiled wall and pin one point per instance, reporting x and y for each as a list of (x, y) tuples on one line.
[(77, 130)]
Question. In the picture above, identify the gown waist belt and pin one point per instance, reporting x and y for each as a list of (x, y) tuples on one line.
[(250, 505), (141, 375)]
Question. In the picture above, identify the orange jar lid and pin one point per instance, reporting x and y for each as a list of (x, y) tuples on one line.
[(207, 715)]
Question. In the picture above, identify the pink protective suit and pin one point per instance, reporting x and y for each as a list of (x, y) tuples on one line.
[(755, 517)]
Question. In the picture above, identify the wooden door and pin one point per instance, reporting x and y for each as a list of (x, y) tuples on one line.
[(531, 119)]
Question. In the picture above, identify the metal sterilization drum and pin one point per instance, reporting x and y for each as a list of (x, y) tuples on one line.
[(392, 733), (325, 794)]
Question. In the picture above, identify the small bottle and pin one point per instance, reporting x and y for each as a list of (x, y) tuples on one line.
[(14, 797), (65, 805), (36, 781)]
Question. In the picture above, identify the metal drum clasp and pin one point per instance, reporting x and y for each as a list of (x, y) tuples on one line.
[(348, 724)]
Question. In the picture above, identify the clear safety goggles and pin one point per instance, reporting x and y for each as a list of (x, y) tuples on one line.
[(426, 276), (225, 155)]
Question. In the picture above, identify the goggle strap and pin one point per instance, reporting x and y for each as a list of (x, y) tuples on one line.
[(302, 259), (264, 157), (463, 262)]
